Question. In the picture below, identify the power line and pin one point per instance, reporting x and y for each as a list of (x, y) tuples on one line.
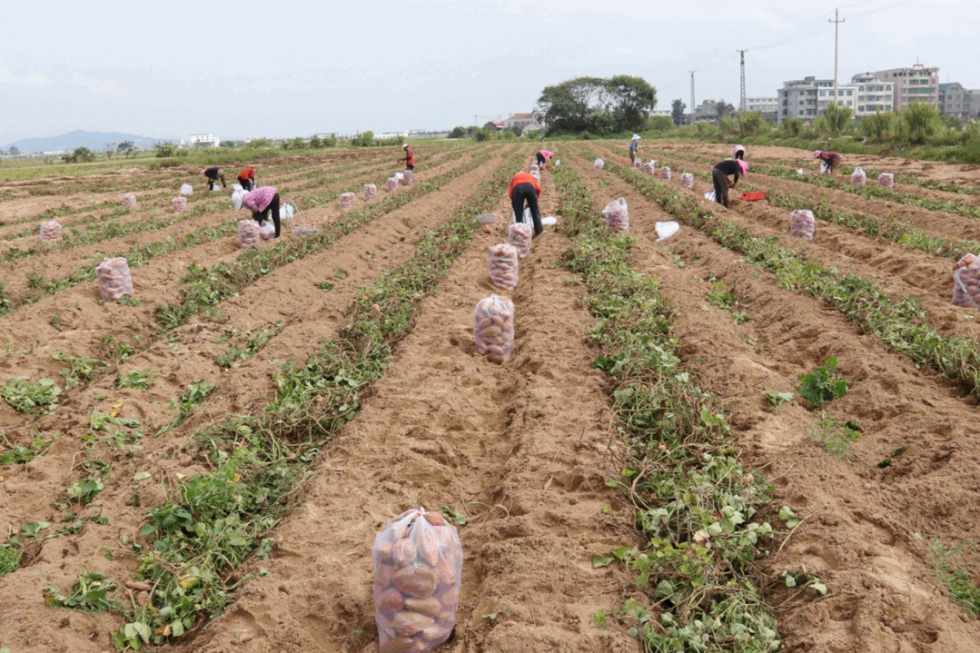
[(812, 29), (894, 5)]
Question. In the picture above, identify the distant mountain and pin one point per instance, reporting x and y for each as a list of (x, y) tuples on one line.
[(68, 142)]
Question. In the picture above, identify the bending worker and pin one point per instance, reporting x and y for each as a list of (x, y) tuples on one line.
[(525, 188), (729, 167), (213, 174), (409, 157), (261, 201), (247, 178), (634, 144), (830, 159)]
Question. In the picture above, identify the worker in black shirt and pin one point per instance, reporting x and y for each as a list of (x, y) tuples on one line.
[(728, 167), (213, 175)]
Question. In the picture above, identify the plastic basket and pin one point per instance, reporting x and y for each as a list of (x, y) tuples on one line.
[(754, 196)]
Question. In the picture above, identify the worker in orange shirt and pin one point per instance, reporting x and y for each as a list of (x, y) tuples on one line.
[(525, 188), (247, 178)]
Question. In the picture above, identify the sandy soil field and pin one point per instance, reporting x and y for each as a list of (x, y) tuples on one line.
[(204, 466)]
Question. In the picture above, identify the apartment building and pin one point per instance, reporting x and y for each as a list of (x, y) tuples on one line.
[(954, 100), (916, 84), (767, 106), (873, 95), (707, 110), (203, 140), (807, 98)]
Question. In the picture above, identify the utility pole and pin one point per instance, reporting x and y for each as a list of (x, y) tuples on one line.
[(741, 103), (836, 21), (692, 95)]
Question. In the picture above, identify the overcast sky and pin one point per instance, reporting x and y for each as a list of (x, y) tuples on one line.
[(296, 67)]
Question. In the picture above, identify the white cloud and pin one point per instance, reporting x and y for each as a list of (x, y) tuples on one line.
[(99, 87), (7, 77), (110, 88)]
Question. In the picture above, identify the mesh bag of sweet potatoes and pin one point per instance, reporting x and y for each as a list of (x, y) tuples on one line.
[(418, 564)]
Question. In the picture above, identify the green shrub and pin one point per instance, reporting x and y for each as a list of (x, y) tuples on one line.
[(878, 128), (920, 121), (706, 130), (365, 139), (662, 124), (165, 149), (837, 119), (482, 134), (750, 123), (80, 155), (790, 127)]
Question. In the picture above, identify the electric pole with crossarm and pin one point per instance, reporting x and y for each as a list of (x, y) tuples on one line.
[(836, 21)]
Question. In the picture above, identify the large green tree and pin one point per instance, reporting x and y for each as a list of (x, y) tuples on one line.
[(677, 111), (598, 105)]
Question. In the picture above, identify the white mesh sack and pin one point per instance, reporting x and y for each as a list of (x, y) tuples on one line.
[(418, 568)]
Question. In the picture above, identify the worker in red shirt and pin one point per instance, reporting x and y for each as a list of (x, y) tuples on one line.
[(409, 157), (830, 159), (525, 188), (247, 178)]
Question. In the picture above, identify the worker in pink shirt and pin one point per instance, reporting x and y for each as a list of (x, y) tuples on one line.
[(261, 201)]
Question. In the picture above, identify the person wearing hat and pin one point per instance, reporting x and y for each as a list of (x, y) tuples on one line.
[(525, 188), (409, 157), (738, 152), (729, 167), (212, 175), (633, 147), (830, 160), (246, 178), (261, 202)]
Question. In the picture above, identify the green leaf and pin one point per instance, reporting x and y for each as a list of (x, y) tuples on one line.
[(136, 631), (787, 515), (664, 589), (777, 399), (790, 580), (139, 476), (820, 587), (602, 561)]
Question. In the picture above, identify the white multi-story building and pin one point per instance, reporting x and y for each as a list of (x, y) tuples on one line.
[(762, 104), (846, 96), (798, 98), (204, 140), (874, 95), (767, 106), (808, 98)]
